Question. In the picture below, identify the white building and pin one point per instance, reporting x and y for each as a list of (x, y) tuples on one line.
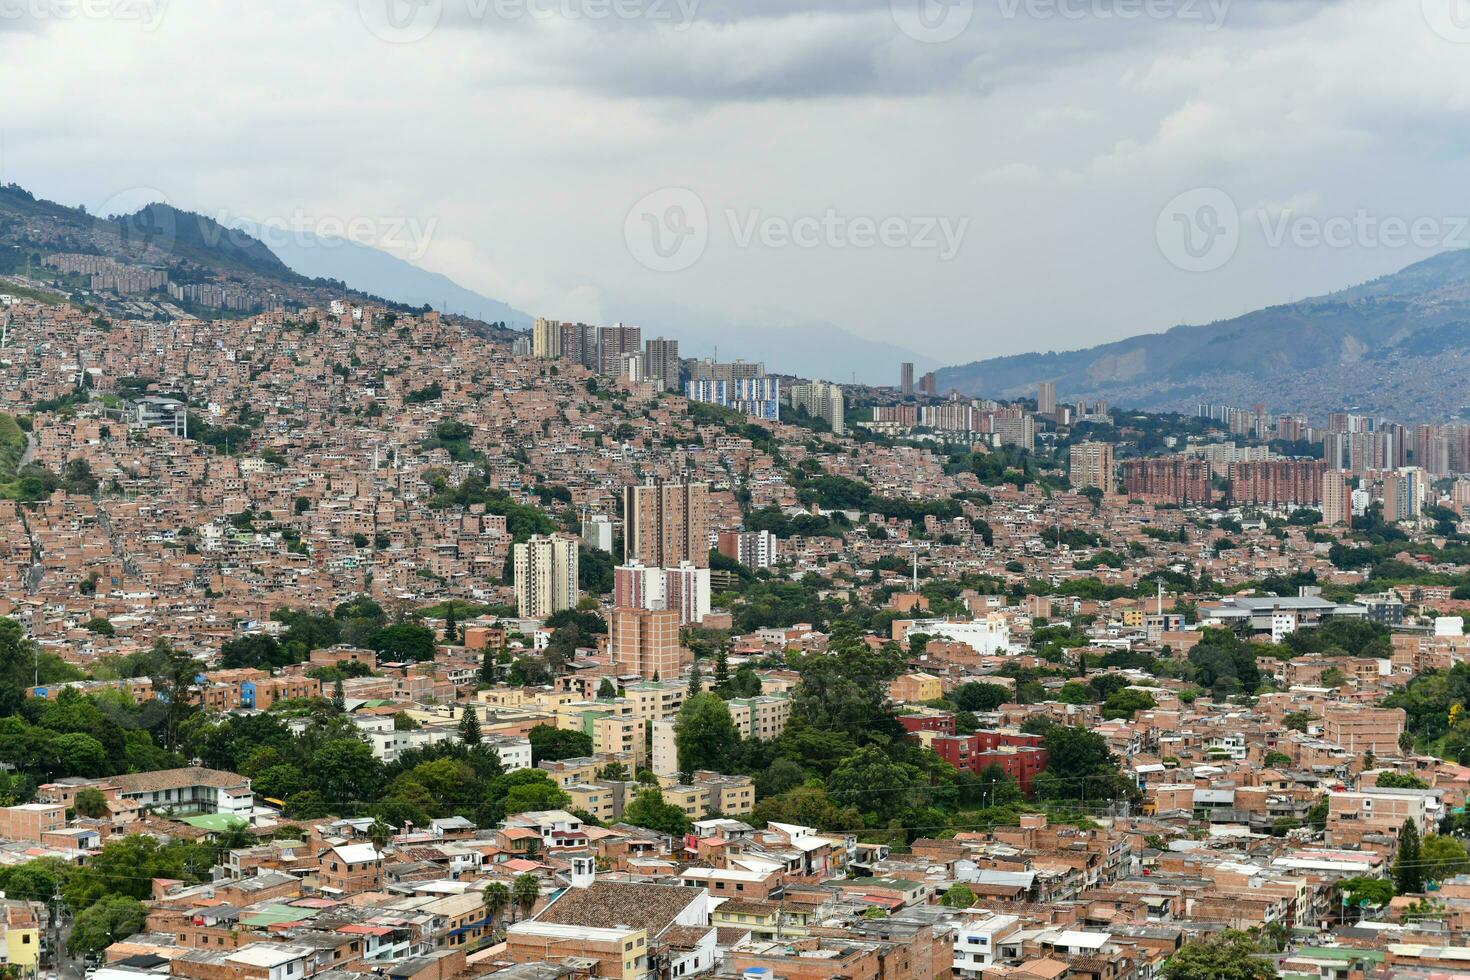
[(684, 588), (821, 400), (388, 745), (977, 940), (597, 532), (546, 575), (986, 636)]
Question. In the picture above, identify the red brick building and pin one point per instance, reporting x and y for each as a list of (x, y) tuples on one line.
[(1022, 756)]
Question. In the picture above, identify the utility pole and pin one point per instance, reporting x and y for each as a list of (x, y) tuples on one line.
[(57, 953)]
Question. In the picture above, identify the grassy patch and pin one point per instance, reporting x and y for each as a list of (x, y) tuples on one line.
[(26, 292)]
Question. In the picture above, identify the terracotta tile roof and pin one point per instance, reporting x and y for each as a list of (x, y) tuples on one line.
[(147, 782)]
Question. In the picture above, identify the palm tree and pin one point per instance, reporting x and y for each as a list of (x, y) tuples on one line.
[(497, 897), (378, 834), (526, 891)]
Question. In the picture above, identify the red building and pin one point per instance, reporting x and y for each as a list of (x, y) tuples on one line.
[(928, 721), (1170, 477), (1277, 483), (1022, 756)]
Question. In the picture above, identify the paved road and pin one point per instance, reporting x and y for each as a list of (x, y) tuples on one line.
[(25, 457)]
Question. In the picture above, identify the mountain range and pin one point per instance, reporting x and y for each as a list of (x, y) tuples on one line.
[(309, 268), (369, 269), (1394, 346)]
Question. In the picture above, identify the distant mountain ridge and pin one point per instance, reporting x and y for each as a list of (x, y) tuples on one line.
[(1395, 345), (372, 270), (195, 247), (304, 268)]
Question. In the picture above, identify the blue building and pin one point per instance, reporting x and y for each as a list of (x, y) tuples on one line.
[(758, 397)]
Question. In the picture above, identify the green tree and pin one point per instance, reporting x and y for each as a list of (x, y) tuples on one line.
[(1443, 857), (980, 696), (1408, 867), (1367, 892), (554, 744), (497, 900), (1081, 766), (722, 670), (345, 773), (779, 777), (696, 683), (173, 684), (874, 783), (808, 806), (114, 918), (649, 810), (1230, 955), (489, 666), (1125, 703), (279, 781), (469, 727), (91, 803), (993, 786), (846, 689), (1298, 721), (127, 866), (526, 892), (100, 626), (404, 642), (959, 896), (520, 792), (605, 689), (705, 734)]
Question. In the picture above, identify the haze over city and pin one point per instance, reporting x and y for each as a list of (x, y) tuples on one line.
[(518, 136)]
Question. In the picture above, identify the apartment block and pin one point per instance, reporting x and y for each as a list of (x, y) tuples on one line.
[(30, 821), (546, 575), (1092, 466), (667, 523)]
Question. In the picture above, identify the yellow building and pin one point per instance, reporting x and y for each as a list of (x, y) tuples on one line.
[(731, 795), (567, 772), (615, 952), (763, 717), (596, 799), (693, 800), (915, 688), (765, 920), (653, 700), (22, 935), (620, 737)]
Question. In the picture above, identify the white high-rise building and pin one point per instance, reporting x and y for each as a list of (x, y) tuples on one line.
[(546, 575), (546, 338), (684, 589), (823, 400)]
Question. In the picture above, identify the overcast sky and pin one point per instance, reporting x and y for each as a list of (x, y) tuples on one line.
[(971, 179)]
